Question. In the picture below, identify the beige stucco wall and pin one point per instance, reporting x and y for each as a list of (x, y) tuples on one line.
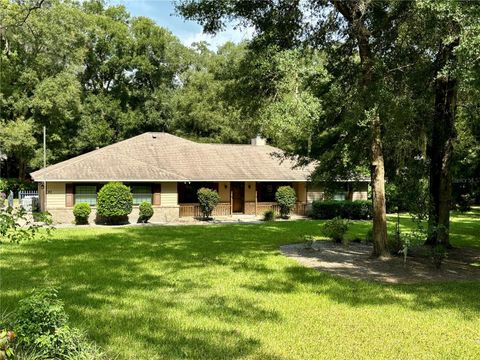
[(301, 191), (224, 191), (360, 192), (250, 192), (55, 195), (169, 194)]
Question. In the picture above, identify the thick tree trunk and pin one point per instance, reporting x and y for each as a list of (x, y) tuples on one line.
[(353, 13), (380, 248), (440, 153)]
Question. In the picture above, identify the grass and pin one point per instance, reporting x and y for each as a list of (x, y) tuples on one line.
[(224, 291)]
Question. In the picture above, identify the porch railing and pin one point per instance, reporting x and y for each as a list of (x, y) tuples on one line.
[(193, 210), (224, 209)]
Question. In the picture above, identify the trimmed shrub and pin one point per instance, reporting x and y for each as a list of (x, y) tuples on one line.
[(81, 211), (269, 215), (353, 210), (335, 229), (286, 198), (146, 212), (114, 202), (208, 199)]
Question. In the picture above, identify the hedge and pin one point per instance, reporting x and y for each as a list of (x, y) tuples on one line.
[(354, 210)]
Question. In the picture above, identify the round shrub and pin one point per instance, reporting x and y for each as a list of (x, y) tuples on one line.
[(146, 212), (335, 229), (81, 211), (286, 199), (269, 215), (114, 202), (208, 199)]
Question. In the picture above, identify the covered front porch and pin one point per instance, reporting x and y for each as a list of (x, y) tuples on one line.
[(249, 197)]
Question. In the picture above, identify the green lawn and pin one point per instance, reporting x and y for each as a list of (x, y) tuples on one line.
[(222, 292)]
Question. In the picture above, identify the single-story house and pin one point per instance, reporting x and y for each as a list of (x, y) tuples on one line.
[(167, 171)]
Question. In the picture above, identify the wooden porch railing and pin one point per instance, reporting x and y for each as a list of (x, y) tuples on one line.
[(193, 210), (252, 208)]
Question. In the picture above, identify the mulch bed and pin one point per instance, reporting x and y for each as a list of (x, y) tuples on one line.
[(353, 261)]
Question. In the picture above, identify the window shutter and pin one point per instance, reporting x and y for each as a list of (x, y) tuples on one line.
[(69, 195), (156, 191)]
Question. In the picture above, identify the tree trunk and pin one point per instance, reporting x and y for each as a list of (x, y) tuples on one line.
[(22, 169), (441, 152), (353, 11), (380, 248)]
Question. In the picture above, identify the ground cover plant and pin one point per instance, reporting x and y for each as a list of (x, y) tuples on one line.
[(225, 291)]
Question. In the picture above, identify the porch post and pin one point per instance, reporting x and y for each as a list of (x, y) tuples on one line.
[(256, 201), (231, 202)]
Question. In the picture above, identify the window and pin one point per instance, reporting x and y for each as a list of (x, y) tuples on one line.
[(339, 196), (141, 193), (86, 194), (266, 191), (187, 192)]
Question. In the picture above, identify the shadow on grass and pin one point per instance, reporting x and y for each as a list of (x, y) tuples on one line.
[(125, 283)]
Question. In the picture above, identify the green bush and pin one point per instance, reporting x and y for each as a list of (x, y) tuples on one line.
[(269, 215), (208, 199), (39, 314), (114, 202), (286, 199), (43, 332), (335, 229), (81, 211), (353, 210), (146, 212)]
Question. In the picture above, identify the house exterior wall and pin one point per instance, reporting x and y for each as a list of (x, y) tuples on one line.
[(314, 192), (224, 191), (56, 205), (360, 192), (301, 191), (250, 191), (55, 198), (169, 194)]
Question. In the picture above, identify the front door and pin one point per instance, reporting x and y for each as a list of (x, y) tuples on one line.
[(238, 196)]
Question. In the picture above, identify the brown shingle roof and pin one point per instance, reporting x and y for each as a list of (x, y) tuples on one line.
[(165, 157)]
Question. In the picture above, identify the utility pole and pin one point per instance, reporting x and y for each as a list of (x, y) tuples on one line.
[(43, 201), (44, 147)]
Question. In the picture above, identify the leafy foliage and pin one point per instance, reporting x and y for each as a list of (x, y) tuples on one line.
[(114, 202), (43, 331), (7, 343), (207, 199), (15, 185), (269, 215), (335, 229), (17, 226), (146, 212), (81, 211), (286, 198), (329, 209)]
